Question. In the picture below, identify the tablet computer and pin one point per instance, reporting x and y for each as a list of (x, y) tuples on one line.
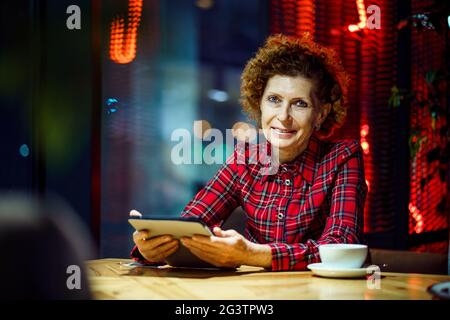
[(177, 227)]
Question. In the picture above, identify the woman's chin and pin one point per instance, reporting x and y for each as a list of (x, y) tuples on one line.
[(282, 143)]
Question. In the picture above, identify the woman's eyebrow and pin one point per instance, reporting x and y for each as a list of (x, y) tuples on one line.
[(295, 98)]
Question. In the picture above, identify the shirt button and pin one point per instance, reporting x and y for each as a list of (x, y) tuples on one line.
[(287, 182), (280, 216)]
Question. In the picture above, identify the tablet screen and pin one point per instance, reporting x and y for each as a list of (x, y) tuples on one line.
[(177, 227)]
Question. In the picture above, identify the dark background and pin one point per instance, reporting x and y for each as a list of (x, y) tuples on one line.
[(98, 132)]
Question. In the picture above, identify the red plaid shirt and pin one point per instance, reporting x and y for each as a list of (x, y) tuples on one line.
[(315, 199)]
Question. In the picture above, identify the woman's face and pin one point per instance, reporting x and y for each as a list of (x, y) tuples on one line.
[(289, 112)]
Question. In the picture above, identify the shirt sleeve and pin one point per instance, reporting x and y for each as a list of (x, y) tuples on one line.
[(219, 197), (212, 204), (344, 224)]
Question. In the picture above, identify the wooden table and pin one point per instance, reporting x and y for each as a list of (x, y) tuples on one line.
[(115, 279)]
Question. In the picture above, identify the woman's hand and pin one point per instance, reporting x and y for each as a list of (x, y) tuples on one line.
[(228, 248), (153, 249)]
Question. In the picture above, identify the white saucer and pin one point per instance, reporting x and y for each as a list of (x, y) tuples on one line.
[(328, 271), (440, 290)]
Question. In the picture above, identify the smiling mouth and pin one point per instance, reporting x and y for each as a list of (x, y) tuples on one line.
[(283, 131)]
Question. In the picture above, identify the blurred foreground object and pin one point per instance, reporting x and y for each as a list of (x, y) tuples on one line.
[(409, 262), (42, 242)]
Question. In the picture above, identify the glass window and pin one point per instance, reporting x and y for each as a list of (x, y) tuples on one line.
[(187, 65)]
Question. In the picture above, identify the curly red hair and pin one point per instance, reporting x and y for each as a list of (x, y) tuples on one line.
[(289, 56)]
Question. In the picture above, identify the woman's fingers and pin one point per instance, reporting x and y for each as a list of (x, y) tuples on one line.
[(213, 259), (156, 247), (140, 236), (155, 242), (135, 213), (159, 252), (171, 251), (205, 247), (224, 233), (164, 250), (216, 242), (217, 231), (204, 256)]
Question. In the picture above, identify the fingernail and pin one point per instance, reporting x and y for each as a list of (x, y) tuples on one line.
[(135, 213)]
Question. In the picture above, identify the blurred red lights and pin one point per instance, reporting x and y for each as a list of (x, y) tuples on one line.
[(122, 47), (368, 185), (362, 17), (364, 144), (415, 214), (364, 131)]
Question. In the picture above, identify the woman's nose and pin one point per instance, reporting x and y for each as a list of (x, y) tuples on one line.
[(283, 113)]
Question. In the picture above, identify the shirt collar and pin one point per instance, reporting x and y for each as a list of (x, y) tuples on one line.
[(305, 163)]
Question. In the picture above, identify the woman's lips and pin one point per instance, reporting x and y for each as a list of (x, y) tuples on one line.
[(283, 133)]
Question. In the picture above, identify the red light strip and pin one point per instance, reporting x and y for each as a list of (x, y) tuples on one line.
[(122, 47), (362, 17), (417, 216), (364, 144)]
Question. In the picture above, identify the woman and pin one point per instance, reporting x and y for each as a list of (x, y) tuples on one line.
[(295, 90)]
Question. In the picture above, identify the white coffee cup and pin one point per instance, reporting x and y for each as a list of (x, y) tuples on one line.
[(343, 255)]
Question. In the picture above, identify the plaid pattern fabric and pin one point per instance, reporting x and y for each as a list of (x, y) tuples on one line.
[(315, 199)]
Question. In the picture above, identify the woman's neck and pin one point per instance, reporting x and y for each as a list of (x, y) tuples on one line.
[(287, 155)]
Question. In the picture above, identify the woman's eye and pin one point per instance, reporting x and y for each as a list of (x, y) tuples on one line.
[(273, 99), (301, 104)]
